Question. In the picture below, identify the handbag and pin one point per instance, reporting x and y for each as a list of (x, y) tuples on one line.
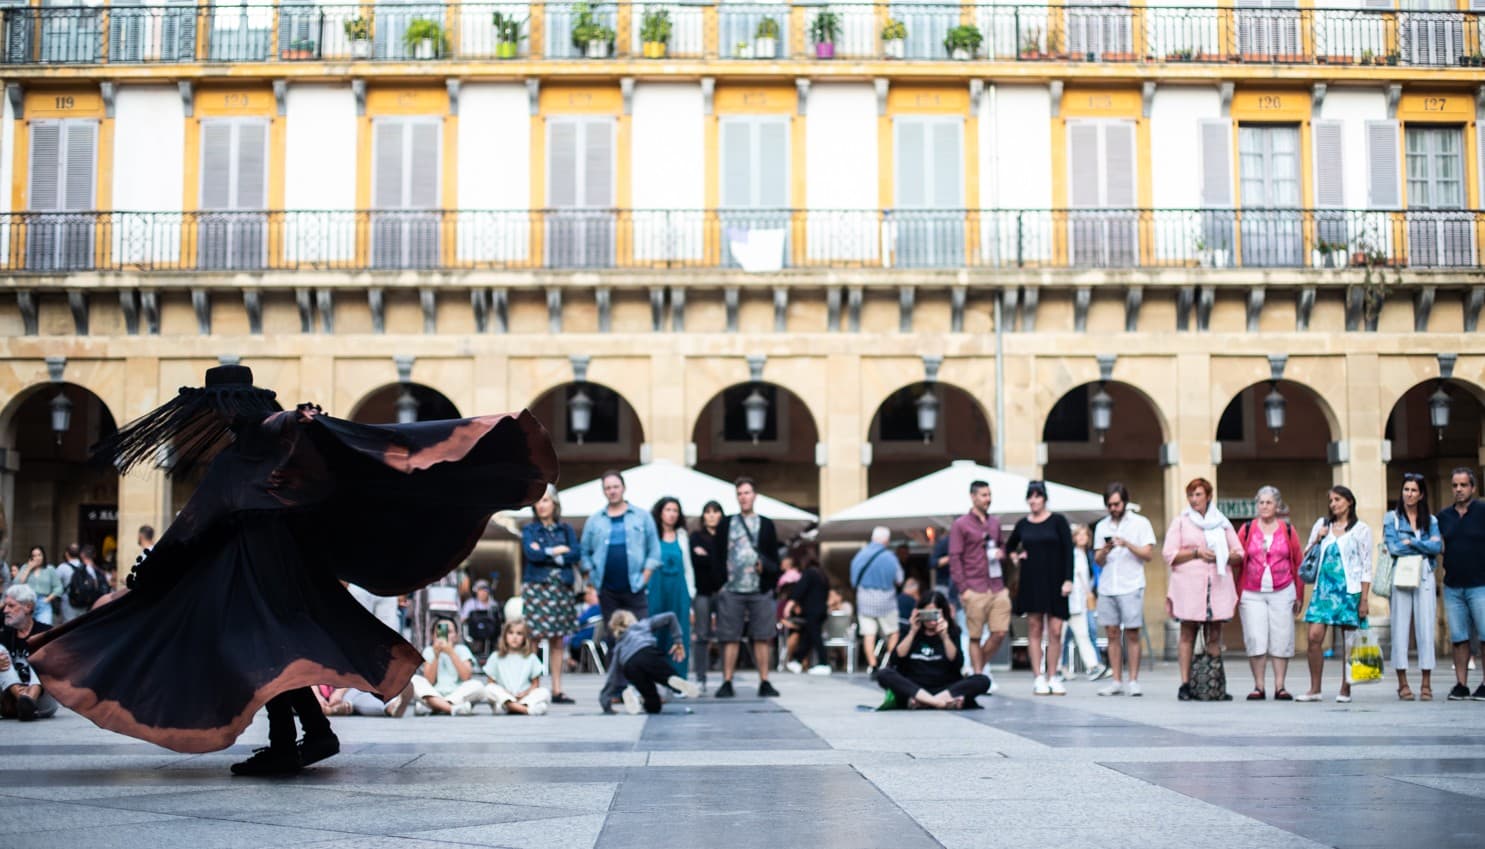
[(1208, 676), (1309, 570), (1407, 571), (1382, 577)]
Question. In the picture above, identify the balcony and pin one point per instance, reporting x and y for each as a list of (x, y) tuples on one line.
[(746, 240), (264, 31)]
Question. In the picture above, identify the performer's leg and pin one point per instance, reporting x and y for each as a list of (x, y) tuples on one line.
[(319, 741), (281, 756)]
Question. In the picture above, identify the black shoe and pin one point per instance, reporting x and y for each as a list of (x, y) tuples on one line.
[(1461, 693), (1184, 694), (314, 749), (25, 708), (269, 761), (562, 699), (872, 673), (725, 691), (1479, 695), (766, 689)]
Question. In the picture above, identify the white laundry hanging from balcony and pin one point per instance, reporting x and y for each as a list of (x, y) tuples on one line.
[(757, 251)]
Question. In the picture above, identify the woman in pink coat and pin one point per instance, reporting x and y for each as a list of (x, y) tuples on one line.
[(1201, 549)]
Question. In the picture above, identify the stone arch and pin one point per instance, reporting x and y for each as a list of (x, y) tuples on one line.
[(1129, 452), (782, 460), (1296, 459), (379, 405), (1414, 445), (963, 432), (616, 435)]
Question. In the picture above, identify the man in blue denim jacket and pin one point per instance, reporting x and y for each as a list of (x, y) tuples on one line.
[(620, 549)]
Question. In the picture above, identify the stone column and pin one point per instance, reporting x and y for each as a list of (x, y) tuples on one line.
[(1193, 429), (1362, 412), (667, 430), (1023, 423), (843, 477), (143, 493)]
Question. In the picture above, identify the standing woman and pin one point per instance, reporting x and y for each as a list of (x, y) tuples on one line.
[(1412, 531), (1042, 544), (1201, 549), (674, 584), (709, 563), (41, 577), (548, 597), (1341, 588), (1269, 592)]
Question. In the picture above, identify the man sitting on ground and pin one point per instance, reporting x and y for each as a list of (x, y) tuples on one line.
[(21, 693)]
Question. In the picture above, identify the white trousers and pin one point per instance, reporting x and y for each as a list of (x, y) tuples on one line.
[(1417, 609), (537, 701), (1078, 625), (470, 691)]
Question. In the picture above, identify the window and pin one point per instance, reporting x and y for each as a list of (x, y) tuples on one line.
[(1268, 162), (1069, 420), (1431, 33), (1268, 30), (141, 31), (755, 190), (928, 219), (231, 230), (241, 30), (59, 233), (580, 192), (1100, 32), (71, 31), (405, 192), (1437, 236), (1101, 176)]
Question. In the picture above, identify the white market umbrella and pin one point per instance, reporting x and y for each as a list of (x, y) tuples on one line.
[(938, 498)]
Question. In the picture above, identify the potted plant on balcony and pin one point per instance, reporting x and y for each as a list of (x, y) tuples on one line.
[(508, 35), (1393, 57), (301, 48), (588, 35), (1329, 255), (1209, 257), (654, 33), (1031, 44), (894, 39), (358, 33), (824, 30), (424, 38), (766, 39), (963, 42)]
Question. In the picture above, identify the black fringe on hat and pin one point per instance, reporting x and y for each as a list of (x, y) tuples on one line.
[(190, 428)]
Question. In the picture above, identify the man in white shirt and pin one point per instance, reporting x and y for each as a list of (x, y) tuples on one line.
[(1124, 542)]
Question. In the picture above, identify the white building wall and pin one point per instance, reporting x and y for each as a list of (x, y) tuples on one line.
[(1016, 129), (320, 174), (1175, 144), (840, 156), (148, 174), (494, 172), (668, 172)]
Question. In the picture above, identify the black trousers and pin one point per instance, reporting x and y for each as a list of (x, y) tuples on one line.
[(611, 600), (647, 670), (811, 637), (281, 710), (905, 688)]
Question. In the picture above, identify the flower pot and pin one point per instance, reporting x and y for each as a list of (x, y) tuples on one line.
[(1031, 55), (824, 50), (766, 48), (361, 48), (654, 49), (296, 53), (1334, 259), (895, 48), (959, 54), (596, 50), (507, 49), (424, 49)]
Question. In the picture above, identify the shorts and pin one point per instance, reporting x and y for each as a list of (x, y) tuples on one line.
[(873, 625), (757, 608), (985, 608), (1268, 622), (1465, 607), (1122, 611)]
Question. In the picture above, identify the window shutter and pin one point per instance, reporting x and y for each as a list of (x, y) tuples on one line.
[(562, 164), (1330, 189), (598, 163), (1480, 155), (1216, 163), (1119, 164), (912, 164), (737, 162), (1084, 177), (216, 165), (387, 155), (252, 166), (82, 157), (422, 164), (46, 166), (1382, 165), (948, 165), (1379, 5), (773, 164)]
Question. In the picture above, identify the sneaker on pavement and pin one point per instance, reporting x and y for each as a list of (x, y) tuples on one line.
[(314, 749), (463, 709), (1114, 689), (1461, 693), (631, 701), (1134, 689), (1479, 695), (269, 761), (766, 689), (725, 691), (794, 666), (1056, 686), (1097, 672), (824, 669), (1039, 687), (994, 687), (685, 688)]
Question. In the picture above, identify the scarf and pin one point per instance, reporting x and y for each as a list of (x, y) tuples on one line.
[(1214, 526)]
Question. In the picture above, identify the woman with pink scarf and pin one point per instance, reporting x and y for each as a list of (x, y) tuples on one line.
[(1202, 550)]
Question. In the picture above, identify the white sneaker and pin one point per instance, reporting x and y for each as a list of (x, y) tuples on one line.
[(1114, 689), (1056, 686), (685, 689), (420, 708), (1097, 672), (631, 700), (463, 709), (822, 669), (994, 687), (794, 666), (1134, 689), (1039, 687)]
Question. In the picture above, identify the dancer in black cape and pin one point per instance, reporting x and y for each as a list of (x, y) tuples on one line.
[(240, 604)]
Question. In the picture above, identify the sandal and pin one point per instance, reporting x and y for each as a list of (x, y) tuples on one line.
[(1283, 696), (1405, 694), (1425, 693), (1257, 695)]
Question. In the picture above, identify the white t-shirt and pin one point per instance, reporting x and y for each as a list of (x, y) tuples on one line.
[(448, 676), (1123, 573), (515, 671)]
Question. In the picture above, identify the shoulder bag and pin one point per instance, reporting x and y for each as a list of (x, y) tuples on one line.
[(1309, 568), (1208, 676)]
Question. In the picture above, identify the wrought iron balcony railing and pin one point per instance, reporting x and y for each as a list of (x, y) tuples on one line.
[(267, 31), (757, 240)]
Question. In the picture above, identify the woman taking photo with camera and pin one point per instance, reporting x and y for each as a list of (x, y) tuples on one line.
[(924, 670)]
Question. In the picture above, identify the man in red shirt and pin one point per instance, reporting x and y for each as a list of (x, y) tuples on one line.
[(975, 568)]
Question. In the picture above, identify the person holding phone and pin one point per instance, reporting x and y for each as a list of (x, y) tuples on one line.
[(924, 670), (1126, 543), (444, 683)]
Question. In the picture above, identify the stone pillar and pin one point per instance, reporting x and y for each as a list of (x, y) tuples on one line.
[(492, 385), (1363, 417), (1023, 422), (668, 430), (843, 477), (144, 492), (1193, 429)]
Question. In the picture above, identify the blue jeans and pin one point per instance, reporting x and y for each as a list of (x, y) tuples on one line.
[(1465, 608)]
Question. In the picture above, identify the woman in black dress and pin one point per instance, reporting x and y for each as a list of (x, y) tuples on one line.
[(1042, 544), (709, 562)]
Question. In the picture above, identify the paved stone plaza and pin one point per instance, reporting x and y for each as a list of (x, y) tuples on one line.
[(811, 769)]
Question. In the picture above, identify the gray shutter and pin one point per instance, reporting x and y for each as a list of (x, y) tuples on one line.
[(1382, 165), (216, 165), (1085, 180), (1119, 165), (252, 166), (562, 164), (598, 163), (82, 158), (1330, 188), (46, 166), (912, 164), (947, 162), (1216, 163), (388, 181), (737, 163), (1480, 151), (126, 27), (422, 190), (773, 164)]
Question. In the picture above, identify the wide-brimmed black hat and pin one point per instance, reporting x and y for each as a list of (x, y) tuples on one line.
[(232, 375)]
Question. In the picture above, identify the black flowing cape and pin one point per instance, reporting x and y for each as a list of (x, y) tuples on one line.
[(241, 600)]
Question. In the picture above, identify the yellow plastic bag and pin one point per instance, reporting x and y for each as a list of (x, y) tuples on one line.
[(1366, 658)]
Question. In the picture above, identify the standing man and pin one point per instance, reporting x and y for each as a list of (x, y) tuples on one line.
[(621, 549), (752, 547), (89, 582), (1124, 542), (1462, 525), (65, 570), (875, 576), (976, 572)]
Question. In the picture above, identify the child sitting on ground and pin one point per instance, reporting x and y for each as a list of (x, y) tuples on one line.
[(640, 662), (515, 672)]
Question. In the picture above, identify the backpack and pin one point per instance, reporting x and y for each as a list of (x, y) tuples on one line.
[(481, 626)]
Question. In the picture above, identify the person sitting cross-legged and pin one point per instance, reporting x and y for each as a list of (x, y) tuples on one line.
[(21, 693), (444, 682), (924, 670), (515, 672)]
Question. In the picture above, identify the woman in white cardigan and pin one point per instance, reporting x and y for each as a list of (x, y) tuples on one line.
[(673, 585), (1341, 588)]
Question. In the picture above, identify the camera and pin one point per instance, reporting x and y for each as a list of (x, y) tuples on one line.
[(930, 615), (442, 630)]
